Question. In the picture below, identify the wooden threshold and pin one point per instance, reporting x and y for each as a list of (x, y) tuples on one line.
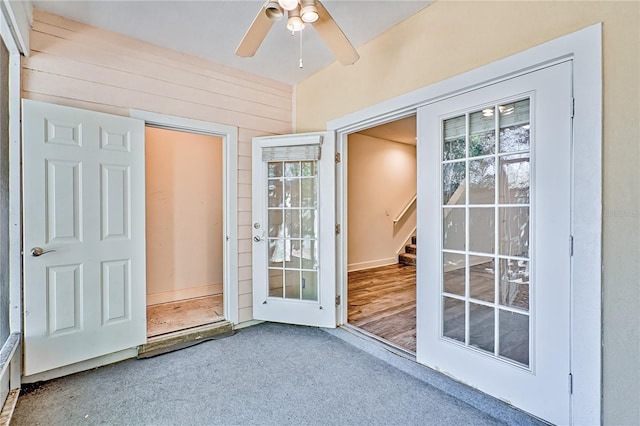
[(182, 339), (9, 407)]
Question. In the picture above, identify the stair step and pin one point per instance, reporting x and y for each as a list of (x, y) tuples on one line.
[(410, 248), (414, 240), (407, 259)]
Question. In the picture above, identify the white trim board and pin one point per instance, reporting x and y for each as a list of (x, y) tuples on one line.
[(185, 293), (15, 195), (584, 49), (408, 239), (371, 264), (19, 15), (229, 135)]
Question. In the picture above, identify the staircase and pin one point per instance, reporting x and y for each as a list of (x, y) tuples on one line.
[(409, 255)]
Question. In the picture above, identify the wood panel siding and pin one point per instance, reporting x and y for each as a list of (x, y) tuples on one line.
[(81, 66)]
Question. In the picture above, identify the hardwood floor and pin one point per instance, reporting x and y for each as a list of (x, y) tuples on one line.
[(382, 301), (168, 317)]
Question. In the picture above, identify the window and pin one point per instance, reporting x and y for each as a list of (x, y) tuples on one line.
[(485, 212)]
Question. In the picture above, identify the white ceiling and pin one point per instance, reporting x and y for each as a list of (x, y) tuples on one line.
[(402, 131), (212, 29)]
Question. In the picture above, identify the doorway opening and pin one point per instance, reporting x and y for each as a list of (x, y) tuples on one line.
[(381, 232), (184, 230)]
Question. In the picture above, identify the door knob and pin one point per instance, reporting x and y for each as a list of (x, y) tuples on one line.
[(37, 251)]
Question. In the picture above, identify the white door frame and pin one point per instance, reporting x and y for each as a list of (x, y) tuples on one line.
[(12, 36), (584, 49), (229, 136)]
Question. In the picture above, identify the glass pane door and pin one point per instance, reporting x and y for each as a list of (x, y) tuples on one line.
[(293, 229), (485, 230), (494, 203)]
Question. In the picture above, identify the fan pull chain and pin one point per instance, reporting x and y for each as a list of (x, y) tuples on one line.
[(301, 64)]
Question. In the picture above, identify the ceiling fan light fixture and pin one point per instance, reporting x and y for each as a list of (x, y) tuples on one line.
[(288, 4), (273, 10), (294, 23), (308, 11)]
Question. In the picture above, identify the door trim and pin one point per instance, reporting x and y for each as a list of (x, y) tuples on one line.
[(584, 49), (12, 42), (229, 136)]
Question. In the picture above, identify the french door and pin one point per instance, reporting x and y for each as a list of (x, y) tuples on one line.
[(494, 275), (293, 229)]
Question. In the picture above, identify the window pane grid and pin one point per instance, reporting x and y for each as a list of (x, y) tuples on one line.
[(292, 230), (485, 213)]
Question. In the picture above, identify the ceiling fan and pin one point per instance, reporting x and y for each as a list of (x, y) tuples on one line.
[(299, 13)]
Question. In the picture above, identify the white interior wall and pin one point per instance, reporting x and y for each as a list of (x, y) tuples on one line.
[(184, 186), (381, 181)]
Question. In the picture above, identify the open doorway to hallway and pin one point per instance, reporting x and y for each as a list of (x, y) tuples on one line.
[(381, 237), (184, 220)]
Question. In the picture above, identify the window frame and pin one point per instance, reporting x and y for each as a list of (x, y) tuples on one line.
[(13, 38)]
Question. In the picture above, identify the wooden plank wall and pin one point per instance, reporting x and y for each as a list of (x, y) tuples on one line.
[(81, 66)]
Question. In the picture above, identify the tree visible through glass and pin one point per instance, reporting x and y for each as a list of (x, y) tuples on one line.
[(292, 227), (486, 187)]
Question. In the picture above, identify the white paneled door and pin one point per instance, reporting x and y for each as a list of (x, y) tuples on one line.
[(294, 229), (84, 235), (494, 278)]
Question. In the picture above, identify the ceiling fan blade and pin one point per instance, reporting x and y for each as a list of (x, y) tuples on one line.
[(333, 37), (255, 35)]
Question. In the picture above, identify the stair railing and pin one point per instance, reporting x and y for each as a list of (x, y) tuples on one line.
[(405, 210), (455, 197)]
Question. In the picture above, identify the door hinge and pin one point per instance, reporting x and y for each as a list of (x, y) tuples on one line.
[(338, 300), (338, 157), (573, 107), (338, 229), (570, 245), (570, 384)]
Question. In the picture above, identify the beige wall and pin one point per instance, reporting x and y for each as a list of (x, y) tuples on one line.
[(448, 38), (86, 67), (381, 181), (184, 215)]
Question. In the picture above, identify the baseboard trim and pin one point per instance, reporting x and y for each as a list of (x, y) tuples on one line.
[(184, 293), (371, 264)]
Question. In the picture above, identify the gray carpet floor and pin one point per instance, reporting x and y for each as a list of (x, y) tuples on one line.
[(270, 374)]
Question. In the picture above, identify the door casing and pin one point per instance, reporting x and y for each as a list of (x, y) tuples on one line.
[(15, 45), (229, 136), (584, 49)]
